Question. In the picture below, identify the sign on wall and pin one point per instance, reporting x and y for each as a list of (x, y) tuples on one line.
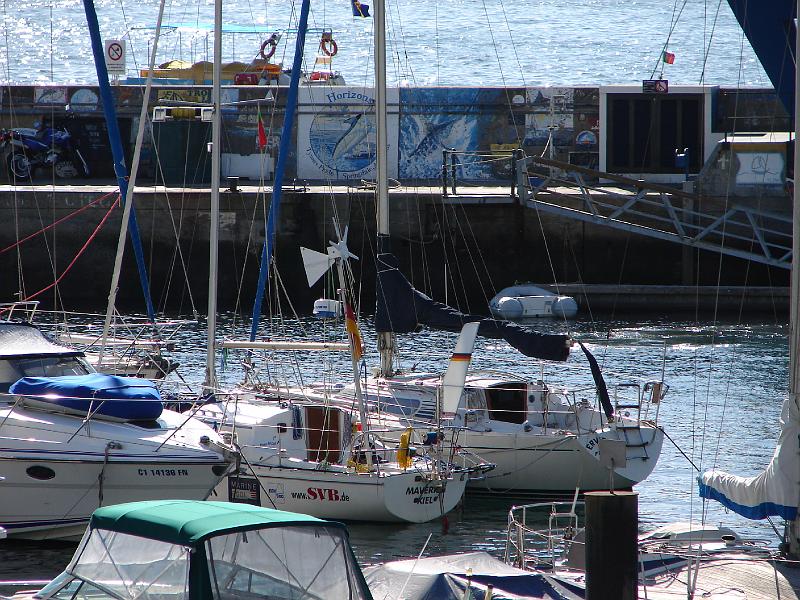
[(115, 57), (336, 134)]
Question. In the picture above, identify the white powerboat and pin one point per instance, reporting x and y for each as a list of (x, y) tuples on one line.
[(61, 460)]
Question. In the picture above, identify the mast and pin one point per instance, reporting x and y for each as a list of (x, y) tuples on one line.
[(362, 411), (386, 341), (280, 167), (131, 185), (210, 382), (115, 141), (793, 530)]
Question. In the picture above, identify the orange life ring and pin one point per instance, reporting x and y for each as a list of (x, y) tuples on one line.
[(329, 47), (272, 44)]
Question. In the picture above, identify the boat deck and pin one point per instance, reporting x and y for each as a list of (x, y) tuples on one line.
[(732, 578)]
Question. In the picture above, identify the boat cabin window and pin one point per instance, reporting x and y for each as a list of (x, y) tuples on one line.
[(42, 366), (283, 562), (119, 565), (508, 402)]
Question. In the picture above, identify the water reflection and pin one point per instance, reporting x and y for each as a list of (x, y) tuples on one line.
[(727, 383)]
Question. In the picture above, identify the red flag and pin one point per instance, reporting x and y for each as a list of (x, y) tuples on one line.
[(352, 330), (262, 133), (668, 57)]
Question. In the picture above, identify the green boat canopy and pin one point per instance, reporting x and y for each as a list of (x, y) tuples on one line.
[(187, 522)]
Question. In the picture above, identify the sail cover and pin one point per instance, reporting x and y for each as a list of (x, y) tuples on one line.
[(402, 309), (774, 492)]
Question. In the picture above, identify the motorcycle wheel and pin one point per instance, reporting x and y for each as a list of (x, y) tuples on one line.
[(18, 166), (65, 169)]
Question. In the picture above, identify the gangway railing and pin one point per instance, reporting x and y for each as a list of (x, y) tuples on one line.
[(655, 210)]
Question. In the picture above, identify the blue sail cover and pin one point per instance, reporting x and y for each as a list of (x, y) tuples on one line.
[(775, 491), (124, 398), (402, 309)]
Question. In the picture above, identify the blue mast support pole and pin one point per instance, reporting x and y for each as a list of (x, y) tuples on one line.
[(283, 151), (115, 139)]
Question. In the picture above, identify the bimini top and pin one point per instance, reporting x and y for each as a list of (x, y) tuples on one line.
[(22, 339), (187, 522)]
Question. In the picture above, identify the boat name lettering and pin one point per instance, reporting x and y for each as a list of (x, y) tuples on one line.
[(322, 494), (419, 490), (592, 443), (163, 472), (426, 499), (334, 96)]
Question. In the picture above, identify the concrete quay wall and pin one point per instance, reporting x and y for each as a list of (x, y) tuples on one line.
[(466, 248)]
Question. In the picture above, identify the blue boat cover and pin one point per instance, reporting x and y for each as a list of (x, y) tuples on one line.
[(449, 577), (402, 309), (126, 398)]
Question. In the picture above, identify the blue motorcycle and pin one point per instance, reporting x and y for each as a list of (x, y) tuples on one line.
[(28, 149)]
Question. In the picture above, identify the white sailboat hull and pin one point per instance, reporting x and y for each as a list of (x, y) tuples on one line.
[(552, 464), (392, 498)]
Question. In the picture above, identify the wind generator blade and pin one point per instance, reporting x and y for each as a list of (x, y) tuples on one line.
[(456, 374), (316, 264)]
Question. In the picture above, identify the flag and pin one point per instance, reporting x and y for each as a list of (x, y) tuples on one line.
[(668, 57), (352, 330), (359, 9), (262, 133)]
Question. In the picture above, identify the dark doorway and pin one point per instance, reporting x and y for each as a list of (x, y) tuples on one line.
[(644, 130), (323, 434)]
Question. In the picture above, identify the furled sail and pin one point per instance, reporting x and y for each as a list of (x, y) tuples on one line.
[(774, 492), (402, 309)]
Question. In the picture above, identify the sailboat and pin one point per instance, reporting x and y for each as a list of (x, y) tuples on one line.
[(543, 440), (315, 458), (776, 490)]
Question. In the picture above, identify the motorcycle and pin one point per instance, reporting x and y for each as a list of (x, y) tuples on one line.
[(29, 149)]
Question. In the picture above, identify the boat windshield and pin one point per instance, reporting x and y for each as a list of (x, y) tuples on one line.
[(284, 562), (109, 564), (41, 366)]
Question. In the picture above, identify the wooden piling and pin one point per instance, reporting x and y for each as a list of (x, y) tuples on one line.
[(612, 523)]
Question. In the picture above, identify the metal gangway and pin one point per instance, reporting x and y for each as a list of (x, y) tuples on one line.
[(655, 210)]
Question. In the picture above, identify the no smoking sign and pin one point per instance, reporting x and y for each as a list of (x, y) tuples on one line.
[(115, 57)]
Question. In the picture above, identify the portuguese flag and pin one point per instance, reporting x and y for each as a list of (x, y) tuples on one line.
[(668, 57)]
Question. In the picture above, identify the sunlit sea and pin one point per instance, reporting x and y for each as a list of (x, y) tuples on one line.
[(442, 42), (727, 381)]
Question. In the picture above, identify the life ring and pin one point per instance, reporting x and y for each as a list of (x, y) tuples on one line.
[(272, 44), (329, 47)]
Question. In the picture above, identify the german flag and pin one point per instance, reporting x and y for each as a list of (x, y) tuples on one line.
[(352, 330)]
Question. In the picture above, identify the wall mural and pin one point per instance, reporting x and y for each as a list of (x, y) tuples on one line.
[(336, 135), (481, 124)]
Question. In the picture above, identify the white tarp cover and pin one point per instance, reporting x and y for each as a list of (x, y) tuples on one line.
[(445, 578), (774, 492)]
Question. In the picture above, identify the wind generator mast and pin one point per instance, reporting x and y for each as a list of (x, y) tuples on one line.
[(386, 341)]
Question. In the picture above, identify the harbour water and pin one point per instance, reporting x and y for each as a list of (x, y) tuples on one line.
[(727, 381), (446, 42)]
